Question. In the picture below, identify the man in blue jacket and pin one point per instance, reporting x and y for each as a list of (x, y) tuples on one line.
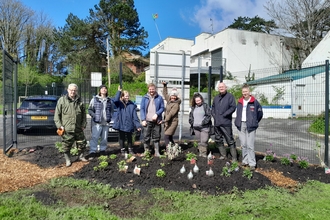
[(151, 110), (223, 107), (248, 115)]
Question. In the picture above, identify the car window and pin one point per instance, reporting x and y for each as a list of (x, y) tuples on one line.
[(37, 104)]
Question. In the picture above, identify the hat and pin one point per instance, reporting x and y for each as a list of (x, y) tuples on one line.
[(174, 93), (102, 87)]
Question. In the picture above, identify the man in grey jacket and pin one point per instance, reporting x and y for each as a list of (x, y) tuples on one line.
[(223, 107)]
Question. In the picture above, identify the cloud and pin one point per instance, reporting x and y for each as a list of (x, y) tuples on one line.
[(219, 14)]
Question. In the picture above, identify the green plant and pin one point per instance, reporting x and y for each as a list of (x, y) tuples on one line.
[(225, 171), (59, 147), (162, 164), (195, 144), (286, 160), (234, 166), (248, 173), (103, 158), (303, 162), (147, 156), (74, 151), (122, 165), (190, 156), (160, 173), (113, 156), (293, 156), (270, 155), (101, 166)]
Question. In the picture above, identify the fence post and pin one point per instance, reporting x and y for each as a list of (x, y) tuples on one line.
[(326, 130)]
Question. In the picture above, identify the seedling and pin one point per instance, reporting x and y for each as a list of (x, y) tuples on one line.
[(113, 156), (74, 151), (247, 173), (147, 156), (160, 173), (195, 144), (59, 147), (122, 166)]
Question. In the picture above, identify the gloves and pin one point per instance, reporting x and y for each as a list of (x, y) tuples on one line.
[(60, 131)]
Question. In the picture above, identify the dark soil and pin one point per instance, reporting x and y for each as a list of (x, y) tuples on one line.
[(218, 184)]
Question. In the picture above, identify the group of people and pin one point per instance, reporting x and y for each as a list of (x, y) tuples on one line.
[(248, 115), (70, 115)]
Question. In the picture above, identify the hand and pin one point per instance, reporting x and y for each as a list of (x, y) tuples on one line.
[(138, 129), (154, 118), (119, 89), (164, 83), (160, 122), (144, 123)]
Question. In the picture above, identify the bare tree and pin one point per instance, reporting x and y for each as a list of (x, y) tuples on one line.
[(305, 20)]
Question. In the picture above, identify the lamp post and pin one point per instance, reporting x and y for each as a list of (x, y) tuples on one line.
[(108, 59)]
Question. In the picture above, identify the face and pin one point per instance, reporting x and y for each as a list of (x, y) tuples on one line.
[(246, 93), (173, 97), (126, 97), (198, 101), (72, 92), (152, 90), (103, 91), (222, 88)]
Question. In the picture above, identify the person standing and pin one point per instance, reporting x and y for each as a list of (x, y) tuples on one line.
[(200, 122), (100, 109), (126, 120), (223, 107), (152, 108), (70, 116), (248, 115), (171, 117)]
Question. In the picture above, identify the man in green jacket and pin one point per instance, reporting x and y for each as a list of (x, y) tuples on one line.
[(70, 116)]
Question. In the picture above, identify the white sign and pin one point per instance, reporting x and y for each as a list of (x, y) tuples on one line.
[(96, 79)]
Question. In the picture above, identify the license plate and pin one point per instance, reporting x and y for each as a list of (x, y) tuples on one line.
[(112, 130), (38, 117)]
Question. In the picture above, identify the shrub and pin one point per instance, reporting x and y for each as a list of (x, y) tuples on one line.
[(286, 160), (303, 162)]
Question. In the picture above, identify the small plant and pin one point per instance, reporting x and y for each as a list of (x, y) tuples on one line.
[(172, 150), (113, 156), (59, 147), (103, 158), (122, 166), (234, 166), (162, 164), (293, 157), (286, 160), (195, 144), (103, 163), (147, 156), (247, 173), (303, 162), (226, 170), (190, 156), (160, 173), (270, 155)]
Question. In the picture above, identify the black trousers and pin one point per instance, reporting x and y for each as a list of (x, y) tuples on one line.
[(224, 133)]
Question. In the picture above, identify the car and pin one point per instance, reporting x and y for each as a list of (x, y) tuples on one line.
[(36, 112), (113, 133)]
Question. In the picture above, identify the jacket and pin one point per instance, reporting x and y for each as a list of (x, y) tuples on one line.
[(223, 107), (254, 114), (171, 116), (126, 118), (159, 103), (71, 114), (207, 122), (95, 109)]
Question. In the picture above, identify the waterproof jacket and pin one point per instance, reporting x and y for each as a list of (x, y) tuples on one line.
[(223, 107), (254, 114), (207, 122), (159, 103), (95, 109), (71, 114), (126, 118), (171, 116)]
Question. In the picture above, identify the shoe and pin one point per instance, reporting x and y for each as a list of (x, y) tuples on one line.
[(130, 151), (103, 153), (252, 168), (91, 156), (222, 158), (244, 164), (82, 158)]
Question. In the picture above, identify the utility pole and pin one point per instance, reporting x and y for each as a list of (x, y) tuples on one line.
[(108, 59)]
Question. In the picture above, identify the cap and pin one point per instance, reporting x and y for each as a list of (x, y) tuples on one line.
[(174, 93)]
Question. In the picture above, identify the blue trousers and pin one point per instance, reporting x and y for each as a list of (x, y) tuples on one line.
[(99, 132)]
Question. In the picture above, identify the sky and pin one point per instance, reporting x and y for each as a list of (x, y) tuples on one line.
[(176, 18)]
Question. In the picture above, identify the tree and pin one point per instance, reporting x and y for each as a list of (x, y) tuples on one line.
[(119, 20), (27, 76), (256, 24), (306, 20)]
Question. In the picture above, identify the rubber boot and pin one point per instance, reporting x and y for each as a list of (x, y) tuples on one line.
[(146, 149), (202, 151), (223, 152), (67, 159), (82, 158), (156, 144), (130, 151), (233, 153)]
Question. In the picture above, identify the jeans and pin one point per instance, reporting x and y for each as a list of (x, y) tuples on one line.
[(99, 132)]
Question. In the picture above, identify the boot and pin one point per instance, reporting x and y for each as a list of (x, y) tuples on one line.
[(223, 152), (202, 151), (130, 151), (233, 153), (146, 149), (156, 144), (82, 158), (67, 159)]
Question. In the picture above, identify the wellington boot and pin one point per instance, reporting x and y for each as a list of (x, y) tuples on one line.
[(67, 159), (82, 158), (233, 153), (223, 153), (156, 144)]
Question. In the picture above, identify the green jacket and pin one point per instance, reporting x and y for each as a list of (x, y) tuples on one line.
[(70, 114)]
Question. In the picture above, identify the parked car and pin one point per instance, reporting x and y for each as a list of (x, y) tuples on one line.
[(36, 112)]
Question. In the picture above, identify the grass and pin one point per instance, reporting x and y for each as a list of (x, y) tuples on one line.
[(80, 199)]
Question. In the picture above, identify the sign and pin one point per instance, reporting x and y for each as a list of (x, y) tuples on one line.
[(96, 79)]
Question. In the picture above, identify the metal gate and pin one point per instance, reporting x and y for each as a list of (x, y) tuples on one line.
[(9, 76)]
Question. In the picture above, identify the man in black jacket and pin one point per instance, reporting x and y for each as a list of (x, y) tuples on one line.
[(223, 107)]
